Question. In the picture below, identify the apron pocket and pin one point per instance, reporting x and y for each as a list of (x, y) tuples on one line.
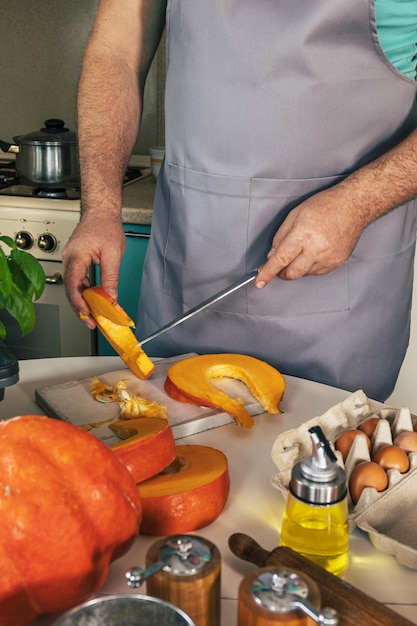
[(305, 296), (221, 228), (199, 259)]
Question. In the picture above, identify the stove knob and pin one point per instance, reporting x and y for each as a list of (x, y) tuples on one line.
[(47, 242), (24, 240)]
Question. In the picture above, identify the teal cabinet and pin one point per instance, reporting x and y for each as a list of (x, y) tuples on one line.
[(137, 237)]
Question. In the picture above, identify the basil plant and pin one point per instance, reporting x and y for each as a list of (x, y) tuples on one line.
[(22, 280)]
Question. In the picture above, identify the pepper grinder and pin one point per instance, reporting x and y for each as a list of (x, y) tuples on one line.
[(184, 570), (315, 522), (271, 596)]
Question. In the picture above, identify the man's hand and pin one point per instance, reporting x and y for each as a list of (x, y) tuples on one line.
[(315, 238), (320, 234), (98, 242)]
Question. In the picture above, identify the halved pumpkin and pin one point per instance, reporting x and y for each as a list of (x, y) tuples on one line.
[(116, 327), (148, 446), (191, 497), (189, 380)]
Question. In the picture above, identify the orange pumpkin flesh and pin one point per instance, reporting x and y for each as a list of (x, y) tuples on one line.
[(189, 380), (106, 306), (188, 499), (148, 446), (68, 508), (116, 325)]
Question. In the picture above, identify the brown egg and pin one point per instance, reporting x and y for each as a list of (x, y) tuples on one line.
[(366, 474), (407, 440), (345, 440), (369, 425), (392, 457)]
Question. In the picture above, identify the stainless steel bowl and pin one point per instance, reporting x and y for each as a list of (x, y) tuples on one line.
[(125, 610)]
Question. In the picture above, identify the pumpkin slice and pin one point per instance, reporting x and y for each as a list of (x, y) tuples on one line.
[(188, 499), (189, 380), (104, 304), (148, 446), (119, 335)]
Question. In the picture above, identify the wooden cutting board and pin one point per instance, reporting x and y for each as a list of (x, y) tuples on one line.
[(73, 402), (354, 607)]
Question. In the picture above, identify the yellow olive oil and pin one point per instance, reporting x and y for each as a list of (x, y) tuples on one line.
[(319, 533)]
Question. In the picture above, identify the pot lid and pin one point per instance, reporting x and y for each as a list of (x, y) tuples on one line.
[(53, 133)]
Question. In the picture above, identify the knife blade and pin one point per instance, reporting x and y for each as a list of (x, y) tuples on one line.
[(203, 305)]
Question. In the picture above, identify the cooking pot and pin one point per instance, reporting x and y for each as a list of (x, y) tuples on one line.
[(47, 157), (125, 610)]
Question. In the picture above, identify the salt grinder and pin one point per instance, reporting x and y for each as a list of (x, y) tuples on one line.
[(185, 571), (270, 596)]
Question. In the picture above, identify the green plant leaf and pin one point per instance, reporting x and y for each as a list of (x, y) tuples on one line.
[(20, 306), (5, 276), (22, 279), (8, 241), (31, 268)]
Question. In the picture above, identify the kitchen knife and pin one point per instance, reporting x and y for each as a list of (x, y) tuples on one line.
[(203, 305), (353, 606)]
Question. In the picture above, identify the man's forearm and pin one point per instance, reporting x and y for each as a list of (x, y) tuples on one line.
[(320, 233), (116, 62), (383, 184), (108, 117)]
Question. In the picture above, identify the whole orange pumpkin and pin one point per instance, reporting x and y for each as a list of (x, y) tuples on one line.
[(68, 507)]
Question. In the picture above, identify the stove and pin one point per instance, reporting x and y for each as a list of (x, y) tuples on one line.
[(10, 185), (40, 221)]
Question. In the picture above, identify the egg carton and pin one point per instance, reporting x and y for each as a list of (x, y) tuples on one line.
[(387, 516)]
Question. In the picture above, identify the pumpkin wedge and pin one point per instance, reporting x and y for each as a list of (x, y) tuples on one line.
[(148, 446), (190, 380), (191, 497), (116, 327), (104, 304)]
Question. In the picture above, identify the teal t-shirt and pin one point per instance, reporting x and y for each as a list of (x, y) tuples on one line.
[(397, 31)]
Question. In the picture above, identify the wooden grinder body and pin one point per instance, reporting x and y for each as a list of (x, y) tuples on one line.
[(198, 595)]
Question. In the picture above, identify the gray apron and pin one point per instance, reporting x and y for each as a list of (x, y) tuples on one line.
[(268, 102)]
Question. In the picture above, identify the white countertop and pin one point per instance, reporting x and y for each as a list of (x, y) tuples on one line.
[(254, 506)]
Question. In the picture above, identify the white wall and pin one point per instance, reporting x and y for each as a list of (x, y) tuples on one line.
[(42, 44), (405, 392)]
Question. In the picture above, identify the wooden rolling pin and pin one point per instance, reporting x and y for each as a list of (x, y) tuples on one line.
[(353, 606)]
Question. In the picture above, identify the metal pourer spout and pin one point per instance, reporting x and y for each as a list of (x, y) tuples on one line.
[(322, 452), (318, 479)]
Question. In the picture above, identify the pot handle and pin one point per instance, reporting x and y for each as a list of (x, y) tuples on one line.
[(9, 147)]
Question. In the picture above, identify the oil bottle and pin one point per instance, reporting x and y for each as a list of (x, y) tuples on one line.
[(315, 522)]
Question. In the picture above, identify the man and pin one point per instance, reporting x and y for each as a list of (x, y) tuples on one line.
[(290, 142)]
